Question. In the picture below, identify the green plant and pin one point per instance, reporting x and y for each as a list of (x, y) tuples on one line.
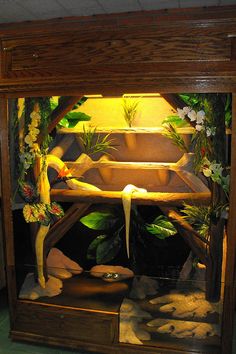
[(93, 143), (130, 109), (199, 217), (111, 222), (73, 117), (171, 133)]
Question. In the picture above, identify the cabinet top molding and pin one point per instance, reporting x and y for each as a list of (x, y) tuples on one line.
[(149, 51)]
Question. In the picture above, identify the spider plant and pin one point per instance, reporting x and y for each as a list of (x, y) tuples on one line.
[(171, 133), (93, 143), (130, 109)]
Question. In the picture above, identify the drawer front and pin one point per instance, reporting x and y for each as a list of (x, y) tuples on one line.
[(76, 52), (66, 323)]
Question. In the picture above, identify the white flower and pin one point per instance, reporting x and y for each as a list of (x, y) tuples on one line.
[(192, 115), (186, 110), (198, 127), (200, 117), (181, 113)]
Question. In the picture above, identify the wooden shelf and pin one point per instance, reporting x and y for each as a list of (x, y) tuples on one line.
[(122, 130)]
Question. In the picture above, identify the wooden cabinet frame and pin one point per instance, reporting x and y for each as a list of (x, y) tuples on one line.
[(211, 68)]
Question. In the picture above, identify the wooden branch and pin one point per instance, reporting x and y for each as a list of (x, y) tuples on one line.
[(215, 254), (174, 100), (66, 195), (183, 167), (59, 229), (192, 237), (59, 112)]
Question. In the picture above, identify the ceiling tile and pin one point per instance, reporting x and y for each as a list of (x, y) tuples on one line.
[(40, 7), (227, 2), (198, 3), (159, 4), (14, 12), (114, 6), (82, 7)]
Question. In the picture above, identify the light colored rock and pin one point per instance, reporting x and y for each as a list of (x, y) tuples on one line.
[(183, 305), (61, 266), (103, 271), (31, 290), (184, 329), (143, 287), (130, 316)]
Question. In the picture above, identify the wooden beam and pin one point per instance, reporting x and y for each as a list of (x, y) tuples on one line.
[(59, 112), (68, 195), (59, 229), (192, 238)]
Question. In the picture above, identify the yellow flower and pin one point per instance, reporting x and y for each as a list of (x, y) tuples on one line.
[(29, 215), (28, 140)]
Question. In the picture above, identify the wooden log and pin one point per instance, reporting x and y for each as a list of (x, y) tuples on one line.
[(183, 168), (59, 112), (63, 146), (66, 195), (59, 229), (192, 238), (214, 268)]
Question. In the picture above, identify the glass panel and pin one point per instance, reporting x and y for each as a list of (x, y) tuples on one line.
[(125, 215)]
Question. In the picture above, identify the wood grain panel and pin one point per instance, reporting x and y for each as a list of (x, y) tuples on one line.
[(65, 323), (117, 47)]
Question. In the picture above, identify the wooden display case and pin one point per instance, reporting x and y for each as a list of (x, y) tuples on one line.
[(161, 51)]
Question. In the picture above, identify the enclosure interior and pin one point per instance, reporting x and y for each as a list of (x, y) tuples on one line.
[(142, 156)]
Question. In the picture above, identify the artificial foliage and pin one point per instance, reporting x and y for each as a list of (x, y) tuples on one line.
[(111, 222)]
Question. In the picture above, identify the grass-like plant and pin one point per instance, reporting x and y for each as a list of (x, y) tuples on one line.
[(171, 133), (199, 217), (130, 109), (93, 143)]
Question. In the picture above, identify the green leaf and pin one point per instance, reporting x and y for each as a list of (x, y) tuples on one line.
[(176, 121), (108, 249), (161, 227), (64, 122), (91, 252), (99, 220)]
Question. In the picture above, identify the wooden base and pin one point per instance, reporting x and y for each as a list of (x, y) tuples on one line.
[(86, 317), (115, 348)]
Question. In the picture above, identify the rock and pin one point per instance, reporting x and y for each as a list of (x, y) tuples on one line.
[(130, 316), (31, 290), (184, 329), (143, 287), (61, 266), (183, 305)]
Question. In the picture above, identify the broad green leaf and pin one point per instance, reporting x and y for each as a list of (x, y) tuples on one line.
[(108, 249), (99, 220), (176, 121), (91, 252), (161, 227), (64, 122), (74, 115)]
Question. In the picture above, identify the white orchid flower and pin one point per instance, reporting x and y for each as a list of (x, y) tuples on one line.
[(200, 117), (186, 110), (198, 127), (181, 113), (192, 115)]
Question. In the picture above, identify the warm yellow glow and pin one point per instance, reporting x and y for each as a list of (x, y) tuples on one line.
[(94, 96), (108, 112), (141, 94)]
